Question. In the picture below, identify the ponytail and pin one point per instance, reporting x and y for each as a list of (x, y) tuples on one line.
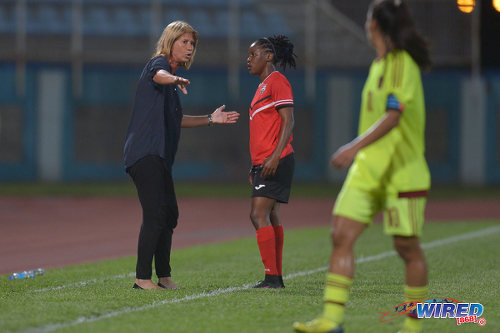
[(394, 20)]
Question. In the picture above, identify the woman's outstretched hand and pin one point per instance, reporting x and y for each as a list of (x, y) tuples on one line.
[(182, 83), (229, 117)]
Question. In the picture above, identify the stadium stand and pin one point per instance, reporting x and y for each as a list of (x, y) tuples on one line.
[(119, 35), (130, 17), (7, 19)]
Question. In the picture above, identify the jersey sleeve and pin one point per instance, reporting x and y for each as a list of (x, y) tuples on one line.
[(401, 80), (282, 93)]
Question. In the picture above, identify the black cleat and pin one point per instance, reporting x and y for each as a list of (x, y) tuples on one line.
[(267, 285), (270, 282), (281, 281)]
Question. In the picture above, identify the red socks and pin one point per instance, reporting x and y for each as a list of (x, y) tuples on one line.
[(267, 247), (278, 235), (270, 242)]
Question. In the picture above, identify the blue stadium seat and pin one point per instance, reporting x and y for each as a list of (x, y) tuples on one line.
[(33, 22), (168, 4), (7, 20), (216, 3), (144, 22), (250, 25), (124, 22), (96, 21), (51, 22), (277, 24), (133, 17), (173, 15), (244, 4), (200, 20), (112, 3), (221, 23), (207, 3), (195, 3), (67, 18)]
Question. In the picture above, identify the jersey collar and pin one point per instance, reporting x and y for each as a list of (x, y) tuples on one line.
[(268, 76)]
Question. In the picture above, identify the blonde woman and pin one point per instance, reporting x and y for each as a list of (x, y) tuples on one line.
[(151, 144)]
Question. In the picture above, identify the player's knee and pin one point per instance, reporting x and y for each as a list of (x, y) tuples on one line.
[(171, 215), (340, 239), (155, 216), (257, 217), (275, 218), (406, 247)]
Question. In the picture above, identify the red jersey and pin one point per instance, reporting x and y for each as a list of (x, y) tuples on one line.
[(265, 121)]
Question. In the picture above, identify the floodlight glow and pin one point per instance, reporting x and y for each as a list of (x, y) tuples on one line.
[(496, 5), (466, 6)]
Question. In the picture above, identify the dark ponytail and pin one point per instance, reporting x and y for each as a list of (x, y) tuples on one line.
[(394, 20), (281, 47)]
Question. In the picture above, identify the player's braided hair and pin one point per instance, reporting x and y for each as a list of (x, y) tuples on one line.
[(281, 47)]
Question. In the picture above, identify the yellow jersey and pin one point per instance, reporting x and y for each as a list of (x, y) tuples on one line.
[(396, 160)]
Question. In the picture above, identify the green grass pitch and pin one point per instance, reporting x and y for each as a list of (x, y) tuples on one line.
[(215, 294)]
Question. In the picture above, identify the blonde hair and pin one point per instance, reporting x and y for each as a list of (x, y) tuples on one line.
[(168, 37)]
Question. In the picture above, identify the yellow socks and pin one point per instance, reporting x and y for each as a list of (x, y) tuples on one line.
[(415, 294), (336, 295)]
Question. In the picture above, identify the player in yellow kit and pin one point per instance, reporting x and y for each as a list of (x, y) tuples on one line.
[(389, 172)]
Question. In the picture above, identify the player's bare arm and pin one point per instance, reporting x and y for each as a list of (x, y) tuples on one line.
[(344, 156), (216, 117), (270, 163)]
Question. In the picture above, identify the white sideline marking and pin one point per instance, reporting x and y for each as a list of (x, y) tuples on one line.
[(217, 292)]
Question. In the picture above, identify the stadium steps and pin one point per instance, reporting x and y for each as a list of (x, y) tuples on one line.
[(335, 46)]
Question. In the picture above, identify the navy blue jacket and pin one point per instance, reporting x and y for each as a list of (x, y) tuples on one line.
[(155, 123)]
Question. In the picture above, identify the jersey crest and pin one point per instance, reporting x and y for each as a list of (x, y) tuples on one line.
[(263, 88)]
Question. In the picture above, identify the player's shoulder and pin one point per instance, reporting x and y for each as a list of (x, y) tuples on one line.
[(401, 59), (159, 62), (277, 77), (279, 80), (401, 67)]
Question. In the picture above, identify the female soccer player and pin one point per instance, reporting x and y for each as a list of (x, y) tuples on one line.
[(271, 125), (151, 144), (389, 172)]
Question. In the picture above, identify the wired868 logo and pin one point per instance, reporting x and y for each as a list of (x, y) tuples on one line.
[(462, 312), (439, 308)]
